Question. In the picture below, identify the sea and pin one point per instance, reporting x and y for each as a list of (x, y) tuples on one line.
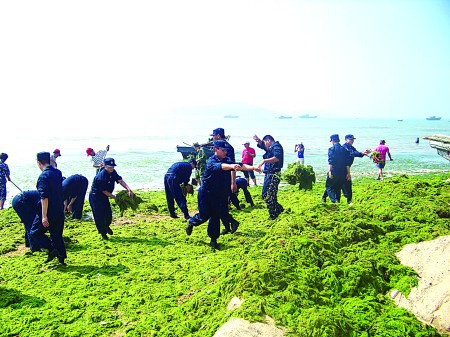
[(144, 150)]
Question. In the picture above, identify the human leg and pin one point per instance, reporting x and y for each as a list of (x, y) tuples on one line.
[(347, 190), (169, 195), (270, 191)]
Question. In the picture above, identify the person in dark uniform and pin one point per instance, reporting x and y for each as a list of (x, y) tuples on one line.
[(51, 216), (177, 174), (353, 153), (241, 184), (101, 190), (74, 191), (273, 163), (26, 205), (338, 169), (227, 219), (213, 192)]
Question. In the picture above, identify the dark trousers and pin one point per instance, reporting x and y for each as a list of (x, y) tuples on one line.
[(39, 240), (26, 214), (234, 197), (101, 209), (209, 207), (270, 194), (173, 191), (333, 187), (77, 207), (347, 190)]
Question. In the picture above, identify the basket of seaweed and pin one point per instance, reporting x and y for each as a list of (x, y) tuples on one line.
[(124, 201)]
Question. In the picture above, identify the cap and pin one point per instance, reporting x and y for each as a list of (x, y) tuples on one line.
[(350, 137), (3, 156), (43, 156), (57, 151), (109, 162), (196, 144), (218, 131), (192, 160), (335, 138), (221, 144), (88, 151), (246, 143), (382, 141)]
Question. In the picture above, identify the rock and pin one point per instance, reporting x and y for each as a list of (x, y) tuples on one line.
[(234, 303), (430, 300), (237, 327)]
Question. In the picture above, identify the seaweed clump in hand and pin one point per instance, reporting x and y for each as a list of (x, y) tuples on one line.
[(302, 175), (124, 201)]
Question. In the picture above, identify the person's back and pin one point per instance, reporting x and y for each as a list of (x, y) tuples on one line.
[(383, 150)]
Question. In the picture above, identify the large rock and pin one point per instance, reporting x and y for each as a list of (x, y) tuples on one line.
[(237, 327), (430, 300)]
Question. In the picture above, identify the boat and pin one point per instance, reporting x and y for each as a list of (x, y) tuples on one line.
[(433, 118), (230, 116), (307, 116), (189, 151), (441, 143), (400, 120), (285, 117)]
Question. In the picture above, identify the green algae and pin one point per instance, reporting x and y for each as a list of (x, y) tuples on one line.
[(300, 174), (319, 270), (125, 201)]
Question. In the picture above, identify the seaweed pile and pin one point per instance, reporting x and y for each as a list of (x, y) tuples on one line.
[(124, 201), (302, 175)]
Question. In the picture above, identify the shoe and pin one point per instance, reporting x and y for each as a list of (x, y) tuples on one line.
[(349, 203), (214, 245), (62, 263), (109, 231), (51, 255), (187, 217), (234, 226), (225, 231), (273, 217), (324, 200), (189, 229), (174, 216), (105, 237)]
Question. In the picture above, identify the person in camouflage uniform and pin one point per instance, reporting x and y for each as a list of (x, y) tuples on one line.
[(201, 159)]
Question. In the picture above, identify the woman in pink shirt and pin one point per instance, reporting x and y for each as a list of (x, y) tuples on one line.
[(383, 150)]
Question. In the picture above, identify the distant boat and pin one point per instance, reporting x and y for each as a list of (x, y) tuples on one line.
[(307, 116), (400, 120), (433, 118), (285, 117), (230, 116)]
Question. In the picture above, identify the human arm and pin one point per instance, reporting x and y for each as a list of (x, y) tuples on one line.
[(68, 206), (389, 154), (44, 203), (124, 185)]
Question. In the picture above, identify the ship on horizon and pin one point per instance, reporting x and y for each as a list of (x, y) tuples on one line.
[(230, 116), (285, 117), (307, 116), (433, 118)]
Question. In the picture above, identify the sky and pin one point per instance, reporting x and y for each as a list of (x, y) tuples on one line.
[(72, 65)]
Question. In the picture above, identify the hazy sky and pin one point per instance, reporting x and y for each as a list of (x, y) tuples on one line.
[(107, 61)]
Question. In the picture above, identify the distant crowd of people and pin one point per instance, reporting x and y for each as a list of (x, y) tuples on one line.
[(44, 209)]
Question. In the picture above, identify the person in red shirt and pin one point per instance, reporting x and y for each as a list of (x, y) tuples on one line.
[(247, 158)]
